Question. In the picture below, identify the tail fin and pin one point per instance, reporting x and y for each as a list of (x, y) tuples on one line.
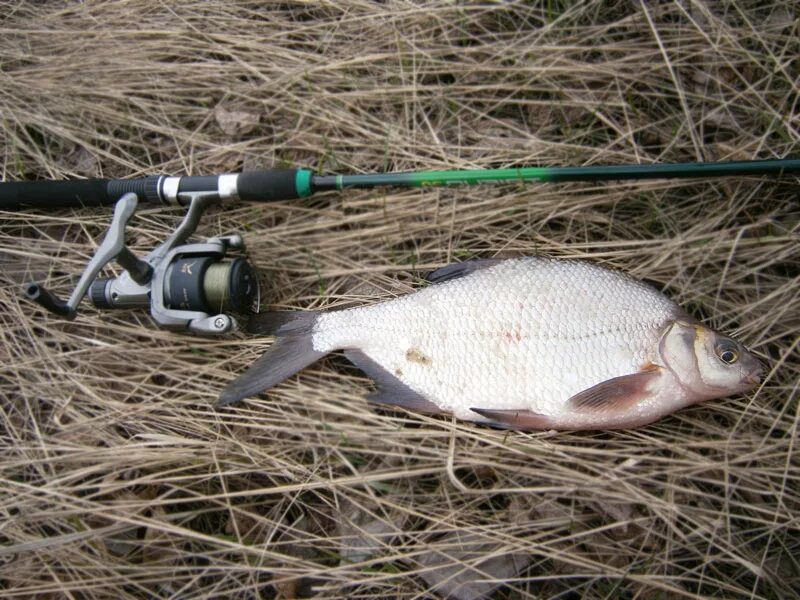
[(293, 350)]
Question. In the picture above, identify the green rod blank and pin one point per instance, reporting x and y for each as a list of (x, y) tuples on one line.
[(777, 168)]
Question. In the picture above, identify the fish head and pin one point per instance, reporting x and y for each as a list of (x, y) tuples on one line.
[(708, 364)]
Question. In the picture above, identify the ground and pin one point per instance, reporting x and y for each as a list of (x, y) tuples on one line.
[(119, 478)]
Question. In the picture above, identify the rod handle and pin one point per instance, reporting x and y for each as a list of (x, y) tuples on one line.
[(75, 192)]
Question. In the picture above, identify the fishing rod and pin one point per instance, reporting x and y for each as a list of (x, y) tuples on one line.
[(201, 287), (289, 184)]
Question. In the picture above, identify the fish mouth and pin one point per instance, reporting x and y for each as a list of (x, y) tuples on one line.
[(755, 373), (753, 379), (754, 376)]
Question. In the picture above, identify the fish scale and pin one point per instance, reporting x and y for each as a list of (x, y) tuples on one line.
[(503, 337)]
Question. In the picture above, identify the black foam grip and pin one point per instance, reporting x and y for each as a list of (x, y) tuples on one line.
[(54, 194), (267, 186), (79, 192)]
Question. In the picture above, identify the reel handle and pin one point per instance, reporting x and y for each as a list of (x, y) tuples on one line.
[(49, 301)]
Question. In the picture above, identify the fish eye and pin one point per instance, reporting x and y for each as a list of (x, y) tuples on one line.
[(727, 353)]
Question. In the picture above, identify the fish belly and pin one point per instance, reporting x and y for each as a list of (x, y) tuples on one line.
[(525, 334)]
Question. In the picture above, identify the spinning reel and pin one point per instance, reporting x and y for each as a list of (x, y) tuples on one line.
[(195, 287)]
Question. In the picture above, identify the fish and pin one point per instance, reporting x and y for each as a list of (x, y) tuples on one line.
[(519, 343)]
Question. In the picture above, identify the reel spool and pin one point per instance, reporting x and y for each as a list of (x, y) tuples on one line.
[(208, 285)]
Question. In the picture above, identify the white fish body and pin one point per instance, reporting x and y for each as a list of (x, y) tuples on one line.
[(530, 343), (523, 334)]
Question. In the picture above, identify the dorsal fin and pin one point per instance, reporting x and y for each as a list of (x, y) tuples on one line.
[(461, 269)]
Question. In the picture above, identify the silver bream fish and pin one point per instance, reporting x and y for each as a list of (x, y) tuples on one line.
[(531, 343)]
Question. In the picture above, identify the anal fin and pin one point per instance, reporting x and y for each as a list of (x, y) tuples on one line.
[(391, 391), (515, 419)]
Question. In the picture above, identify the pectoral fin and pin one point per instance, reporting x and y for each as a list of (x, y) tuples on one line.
[(618, 394)]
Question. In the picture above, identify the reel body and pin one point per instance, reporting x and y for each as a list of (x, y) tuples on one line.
[(197, 287)]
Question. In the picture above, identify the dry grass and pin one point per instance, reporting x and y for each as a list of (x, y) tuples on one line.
[(119, 479)]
